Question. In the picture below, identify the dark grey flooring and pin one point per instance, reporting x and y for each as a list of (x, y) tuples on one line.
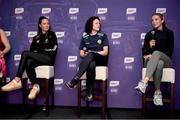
[(62, 112)]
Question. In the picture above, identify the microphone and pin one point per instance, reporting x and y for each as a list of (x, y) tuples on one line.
[(153, 37), (153, 34)]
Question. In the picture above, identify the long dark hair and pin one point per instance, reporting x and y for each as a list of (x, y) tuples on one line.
[(89, 24), (39, 22), (161, 17)]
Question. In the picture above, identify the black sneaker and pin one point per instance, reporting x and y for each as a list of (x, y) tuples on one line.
[(89, 97), (72, 84)]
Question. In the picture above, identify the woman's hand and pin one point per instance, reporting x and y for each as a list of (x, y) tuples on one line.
[(147, 57), (83, 53), (1, 54), (152, 43), (104, 52)]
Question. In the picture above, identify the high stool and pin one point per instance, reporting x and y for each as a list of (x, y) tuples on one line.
[(168, 76), (3, 95), (101, 75), (46, 74)]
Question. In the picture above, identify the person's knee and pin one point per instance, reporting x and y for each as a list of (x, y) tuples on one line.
[(29, 62), (160, 64), (156, 53), (91, 66)]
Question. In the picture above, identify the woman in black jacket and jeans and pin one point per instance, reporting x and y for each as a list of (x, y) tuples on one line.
[(43, 51)]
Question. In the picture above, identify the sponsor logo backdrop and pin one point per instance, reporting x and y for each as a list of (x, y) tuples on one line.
[(124, 21)]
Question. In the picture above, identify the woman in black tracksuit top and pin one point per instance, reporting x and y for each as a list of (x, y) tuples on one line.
[(94, 49), (43, 51), (157, 52)]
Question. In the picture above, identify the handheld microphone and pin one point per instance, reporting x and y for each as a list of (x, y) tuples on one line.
[(153, 37), (153, 34)]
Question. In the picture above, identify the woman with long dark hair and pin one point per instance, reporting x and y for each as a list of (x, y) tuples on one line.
[(43, 51), (94, 51), (157, 51)]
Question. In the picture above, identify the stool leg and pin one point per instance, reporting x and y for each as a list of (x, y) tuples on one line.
[(52, 93), (47, 96), (3, 94), (103, 99), (24, 92), (172, 100), (35, 101), (79, 98), (143, 105)]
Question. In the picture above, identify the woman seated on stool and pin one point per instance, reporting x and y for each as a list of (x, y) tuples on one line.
[(94, 51), (157, 52), (43, 51)]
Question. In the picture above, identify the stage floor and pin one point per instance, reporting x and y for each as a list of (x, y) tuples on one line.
[(62, 112)]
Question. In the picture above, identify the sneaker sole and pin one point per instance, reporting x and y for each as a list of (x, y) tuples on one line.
[(157, 104), (67, 85), (89, 100), (9, 90), (34, 96), (139, 91)]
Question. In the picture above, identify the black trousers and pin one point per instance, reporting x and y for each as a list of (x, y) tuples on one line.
[(89, 64), (30, 60)]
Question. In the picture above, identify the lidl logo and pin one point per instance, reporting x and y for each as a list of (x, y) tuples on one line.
[(32, 34), (17, 57), (102, 11), (19, 10), (60, 34), (128, 59), (73, 10), (8, 33), (46, 10), (131, 11), (113, 83), (116, 35), (161, 10), (72, 58)]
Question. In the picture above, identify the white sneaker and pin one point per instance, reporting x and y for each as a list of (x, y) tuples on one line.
[(141, 87), (158, 98), (13, 85), (34, 91)]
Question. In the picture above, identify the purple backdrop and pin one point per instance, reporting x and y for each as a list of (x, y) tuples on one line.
[(124, 21)]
